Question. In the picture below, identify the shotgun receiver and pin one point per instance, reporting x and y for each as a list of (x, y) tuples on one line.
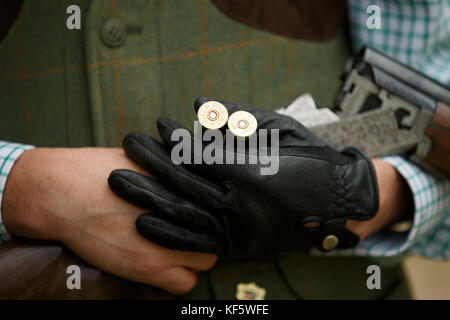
[(387, 107)]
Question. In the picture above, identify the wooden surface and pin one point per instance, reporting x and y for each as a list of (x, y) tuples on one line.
[(37, 270), (438, 130)]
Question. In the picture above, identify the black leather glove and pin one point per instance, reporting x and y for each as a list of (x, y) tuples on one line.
[(232, 209)]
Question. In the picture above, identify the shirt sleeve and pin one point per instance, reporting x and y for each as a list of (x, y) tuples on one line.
[(415, 33), (9, 153), (429, 234)]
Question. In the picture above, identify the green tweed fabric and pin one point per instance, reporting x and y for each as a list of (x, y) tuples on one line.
[(43, 86), (175, 51), (67, 88)]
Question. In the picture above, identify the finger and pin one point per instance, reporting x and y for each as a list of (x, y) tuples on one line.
[(193, 260), (177, 280), (166, 128), (215, 171), (169, 235), (148, 193), (152, 155)]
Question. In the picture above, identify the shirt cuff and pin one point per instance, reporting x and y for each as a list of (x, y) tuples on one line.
[(431, 202), (9, 153)]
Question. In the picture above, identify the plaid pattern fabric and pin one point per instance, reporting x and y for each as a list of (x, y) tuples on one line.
[(430, 232), (400, 20), (65, 88), (174, 52), (9, 153), (416, 32)]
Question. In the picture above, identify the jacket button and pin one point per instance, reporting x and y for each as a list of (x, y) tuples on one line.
[(330, 242), (113, 33)]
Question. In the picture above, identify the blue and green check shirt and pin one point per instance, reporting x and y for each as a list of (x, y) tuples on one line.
[(9, 153), (416, 32)]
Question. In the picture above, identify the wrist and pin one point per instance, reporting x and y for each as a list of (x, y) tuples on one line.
[(18, 214), (395, 201)]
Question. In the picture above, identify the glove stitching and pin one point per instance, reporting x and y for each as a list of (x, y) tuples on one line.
[(351, 207), (183, 202), (182, 233), (183, 170)]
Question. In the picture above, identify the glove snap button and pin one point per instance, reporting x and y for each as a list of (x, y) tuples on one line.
[(330, 242)]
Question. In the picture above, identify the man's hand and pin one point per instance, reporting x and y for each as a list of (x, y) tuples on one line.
[(62, 194), (233, 209)]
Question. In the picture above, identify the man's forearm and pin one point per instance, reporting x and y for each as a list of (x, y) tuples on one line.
[(63, 194), (47, 185)]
